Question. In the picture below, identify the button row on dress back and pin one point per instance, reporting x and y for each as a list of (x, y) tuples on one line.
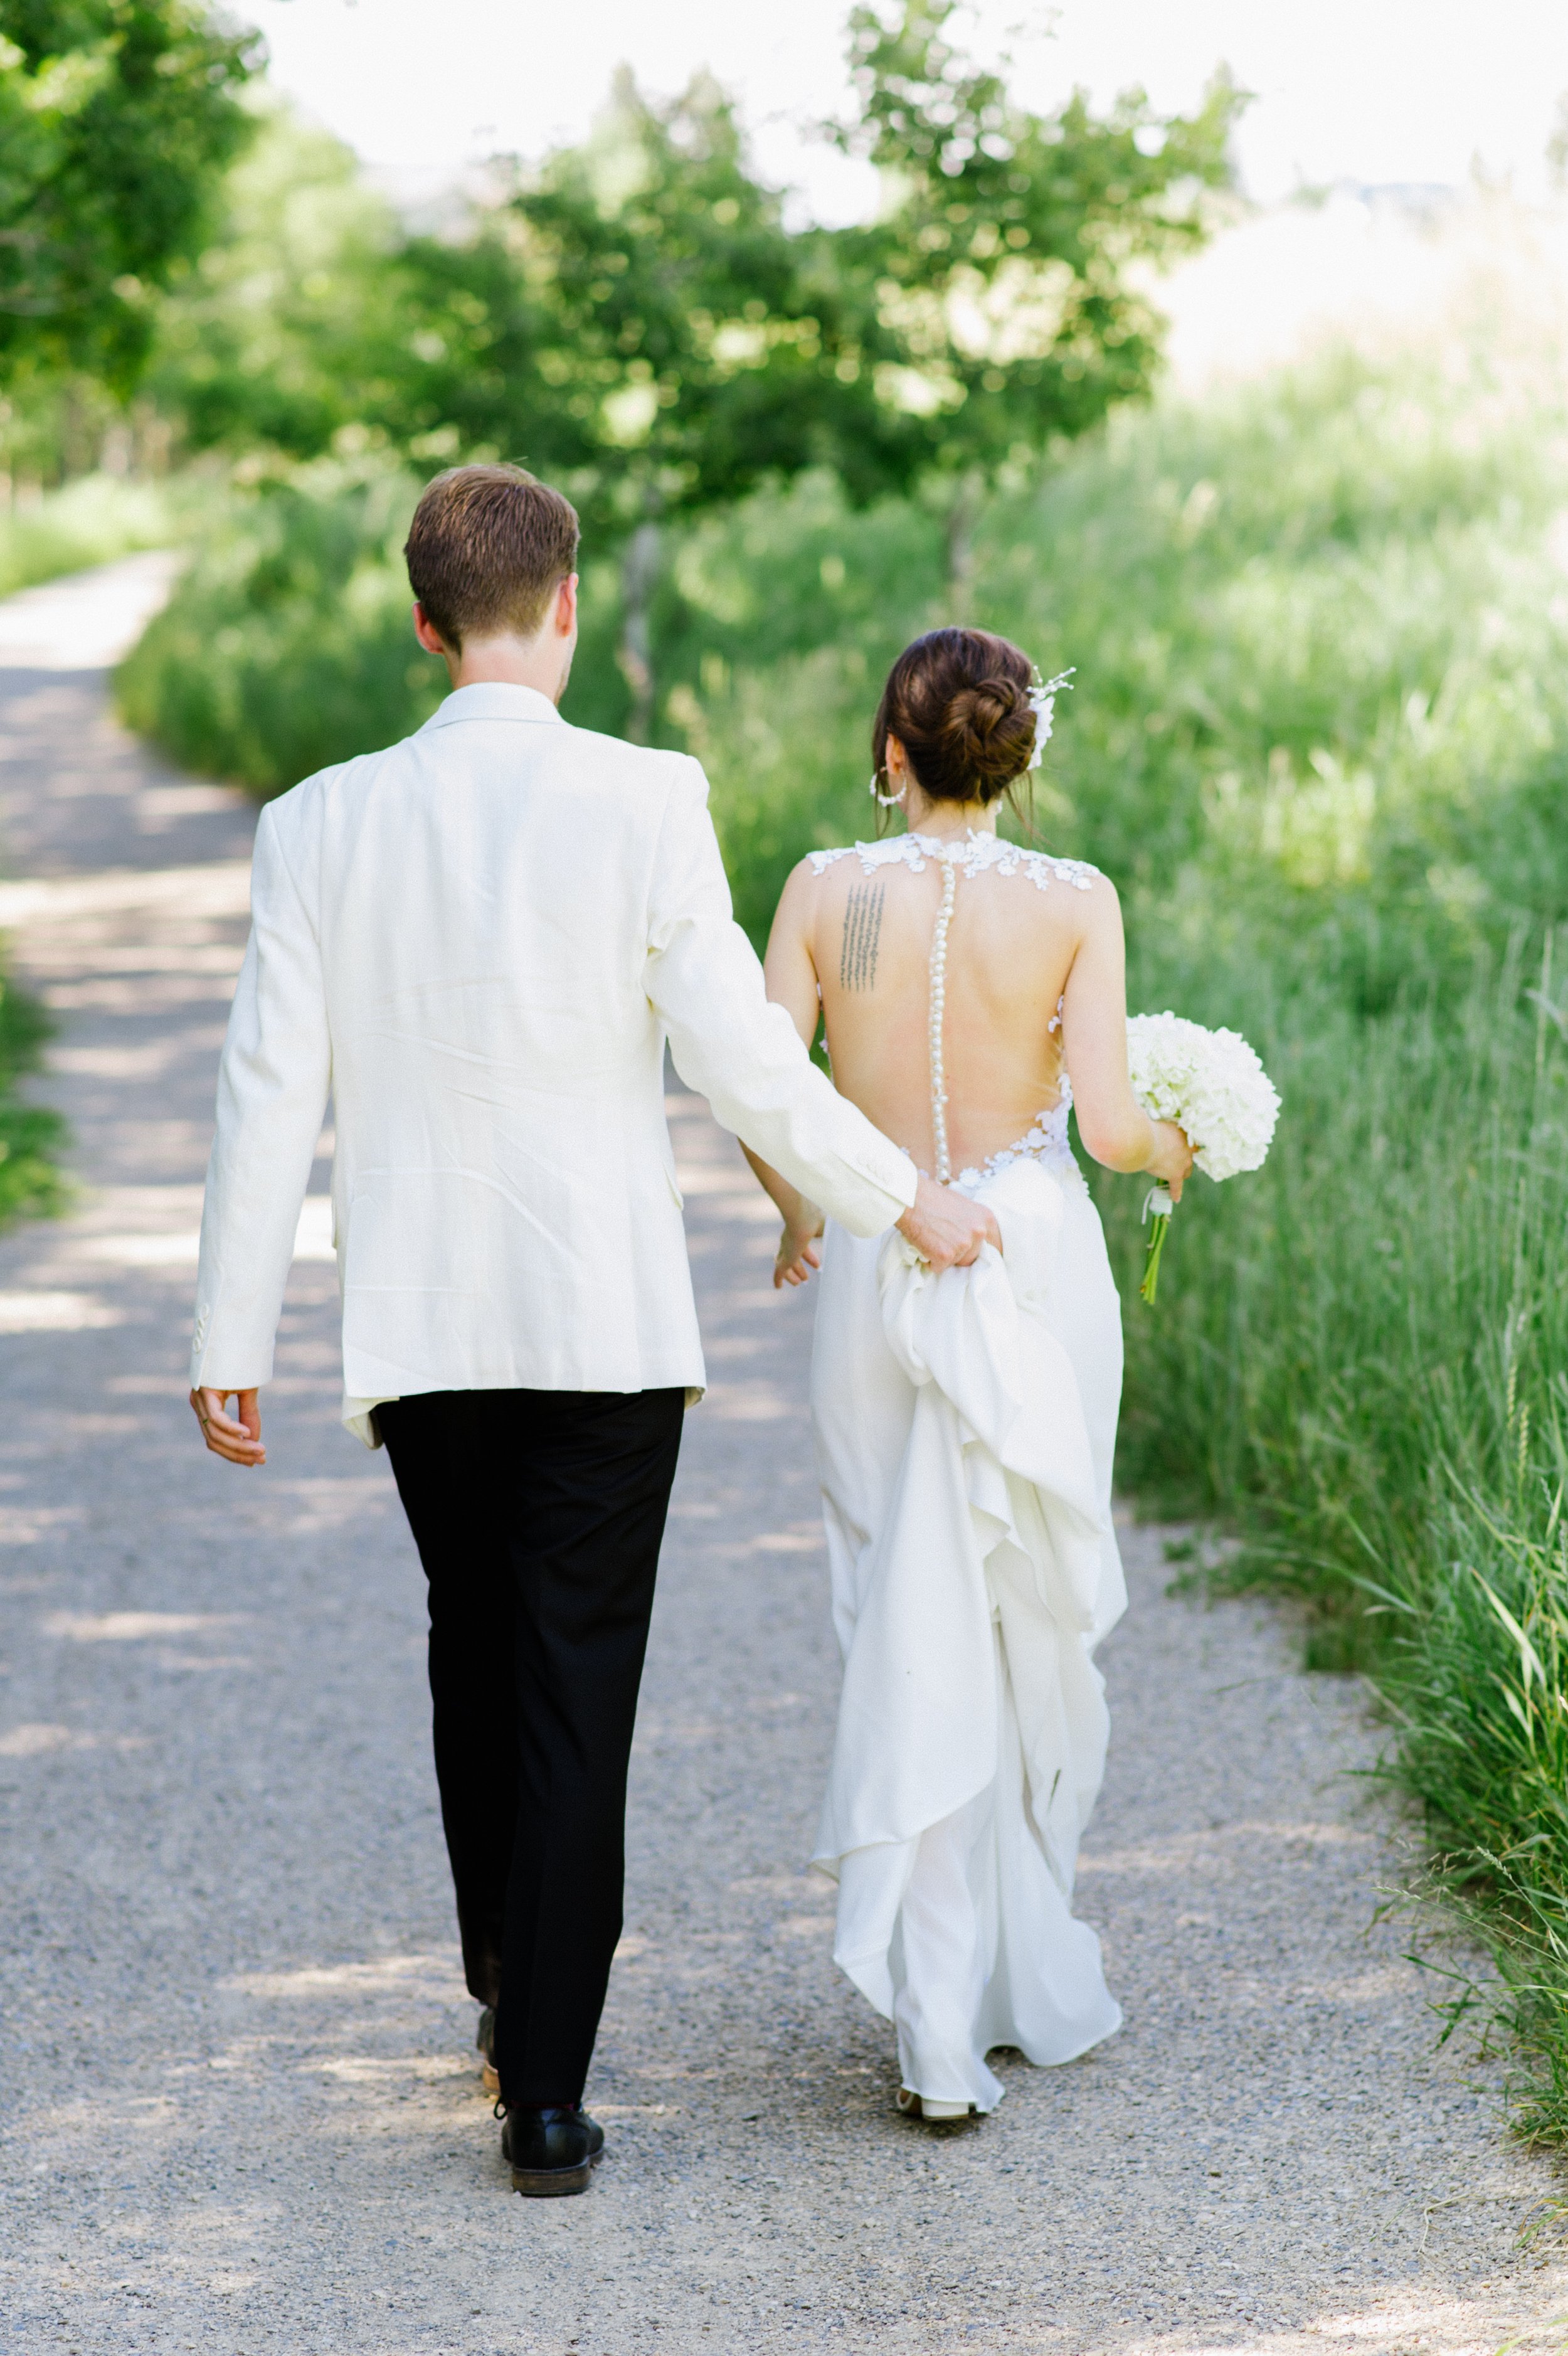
[(938, 1010)]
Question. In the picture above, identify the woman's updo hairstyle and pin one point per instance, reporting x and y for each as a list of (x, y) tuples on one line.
[(958, 701)]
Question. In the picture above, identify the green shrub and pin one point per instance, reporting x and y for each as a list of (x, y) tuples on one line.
[(30, 1135), (91, 521), (1320, 702), (1320, 705), (286, 646)]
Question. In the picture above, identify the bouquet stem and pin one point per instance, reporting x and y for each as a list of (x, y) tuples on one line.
[(1158, 1206)]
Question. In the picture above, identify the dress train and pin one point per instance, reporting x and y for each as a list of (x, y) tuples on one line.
[(964, 1427)]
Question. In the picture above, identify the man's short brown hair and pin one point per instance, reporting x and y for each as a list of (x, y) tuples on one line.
[(487, 551)]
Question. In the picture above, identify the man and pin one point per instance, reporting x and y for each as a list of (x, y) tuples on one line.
[(478, 942)]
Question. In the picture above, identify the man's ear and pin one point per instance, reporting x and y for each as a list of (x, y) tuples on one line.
[(566, 606), (427, 634)]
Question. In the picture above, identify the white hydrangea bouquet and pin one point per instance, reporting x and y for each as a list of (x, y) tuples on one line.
[(1211, 1084)]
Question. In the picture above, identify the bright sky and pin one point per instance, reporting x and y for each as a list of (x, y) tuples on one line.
[(1369, 91)]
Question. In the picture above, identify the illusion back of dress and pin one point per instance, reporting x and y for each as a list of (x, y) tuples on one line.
[(943, 1004)]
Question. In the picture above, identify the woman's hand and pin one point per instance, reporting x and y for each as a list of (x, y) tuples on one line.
[(798, 1252), (1171, 1159)]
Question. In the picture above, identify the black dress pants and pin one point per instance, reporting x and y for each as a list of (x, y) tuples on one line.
[(538, 1517)]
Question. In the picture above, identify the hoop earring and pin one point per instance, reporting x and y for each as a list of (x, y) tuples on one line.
[(888, 802)]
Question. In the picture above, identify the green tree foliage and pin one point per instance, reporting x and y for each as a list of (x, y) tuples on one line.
[(280, 332), (646, 326), (115, 118), (638, 324), (638, 320), (999, 286)]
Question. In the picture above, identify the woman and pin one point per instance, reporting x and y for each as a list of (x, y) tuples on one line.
[(965, 1423)]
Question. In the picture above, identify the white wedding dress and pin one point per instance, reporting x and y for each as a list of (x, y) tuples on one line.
[(965, 1425)]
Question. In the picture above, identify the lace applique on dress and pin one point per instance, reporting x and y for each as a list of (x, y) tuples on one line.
[(973, 856), (1046, 1142)]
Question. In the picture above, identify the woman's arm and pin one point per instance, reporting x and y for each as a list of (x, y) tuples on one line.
[(703, 980), (790, 974), (797, 1253), (1112, 1123)]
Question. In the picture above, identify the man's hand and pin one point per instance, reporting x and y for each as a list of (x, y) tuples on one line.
[(238, 1442), (945, 1228)]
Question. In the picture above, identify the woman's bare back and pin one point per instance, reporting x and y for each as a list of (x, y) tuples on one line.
[(943, 965)]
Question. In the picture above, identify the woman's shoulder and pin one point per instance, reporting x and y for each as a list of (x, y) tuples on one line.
[(1045, 869), (979, 854), (889, 852), (824, 868)]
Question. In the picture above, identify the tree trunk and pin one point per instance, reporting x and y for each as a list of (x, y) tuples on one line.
[(962, 516), (76, 450), (639, 571)]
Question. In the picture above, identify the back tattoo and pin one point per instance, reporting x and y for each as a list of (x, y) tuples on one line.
[(862, 930)]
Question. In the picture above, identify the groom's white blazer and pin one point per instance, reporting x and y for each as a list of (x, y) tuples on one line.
[(477, 944)]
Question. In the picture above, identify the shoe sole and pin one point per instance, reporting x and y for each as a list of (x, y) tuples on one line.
[(543, 2184), (937, 2114)]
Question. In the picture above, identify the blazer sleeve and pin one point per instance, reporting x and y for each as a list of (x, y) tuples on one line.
[(741, 1052), (273, 1089)]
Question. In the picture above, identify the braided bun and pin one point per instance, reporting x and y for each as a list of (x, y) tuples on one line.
[(958, 701)]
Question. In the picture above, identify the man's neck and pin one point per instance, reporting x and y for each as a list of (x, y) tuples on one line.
[(541, 663)]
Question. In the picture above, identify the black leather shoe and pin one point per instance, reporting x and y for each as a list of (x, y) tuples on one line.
[(551, 2151), (485, 2038)]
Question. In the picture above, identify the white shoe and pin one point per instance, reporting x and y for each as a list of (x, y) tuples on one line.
[(920, 2106)]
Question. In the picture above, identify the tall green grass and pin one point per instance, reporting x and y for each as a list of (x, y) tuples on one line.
[(1475, 1671), (1351, 1329), (1361, 1358)]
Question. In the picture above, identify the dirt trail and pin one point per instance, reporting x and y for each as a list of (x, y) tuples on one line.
[(240, 2111)]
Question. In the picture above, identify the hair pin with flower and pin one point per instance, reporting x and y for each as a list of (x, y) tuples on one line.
[(1042, 695)]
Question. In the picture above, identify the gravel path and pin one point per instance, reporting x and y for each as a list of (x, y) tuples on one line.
[(242, 2112)]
